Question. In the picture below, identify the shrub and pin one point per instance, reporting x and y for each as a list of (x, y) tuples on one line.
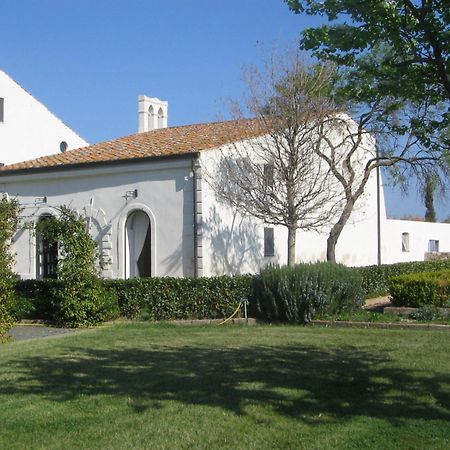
[(299, 293), (427, 313), (9, 217), (34, 299), (420, 289), (138, 298), (376, 279), (180, 298), (79, 299)]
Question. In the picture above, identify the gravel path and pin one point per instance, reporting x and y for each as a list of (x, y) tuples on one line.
[(23, 332)]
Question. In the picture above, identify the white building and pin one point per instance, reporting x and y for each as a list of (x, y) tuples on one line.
[(153, 213), (27, 128)]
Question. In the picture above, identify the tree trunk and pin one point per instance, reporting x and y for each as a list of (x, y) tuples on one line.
[(336, 231), (292, 231)]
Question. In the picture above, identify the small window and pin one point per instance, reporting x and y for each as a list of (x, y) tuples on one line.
[(2, 110), (63, 146), (269, 243), (433, 245), (405, 242), (268, 175), (160, 118)]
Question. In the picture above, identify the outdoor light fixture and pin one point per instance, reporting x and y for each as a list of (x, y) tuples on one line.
[(131, 194), (40, 200)]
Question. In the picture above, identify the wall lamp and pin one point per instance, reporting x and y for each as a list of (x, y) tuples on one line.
[(40, 200), (131, 194)]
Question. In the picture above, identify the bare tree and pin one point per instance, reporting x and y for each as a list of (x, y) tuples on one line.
[(277, 176), (348, 146), (316, 153)]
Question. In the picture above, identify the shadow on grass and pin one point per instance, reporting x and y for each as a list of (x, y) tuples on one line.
[(304, 382)]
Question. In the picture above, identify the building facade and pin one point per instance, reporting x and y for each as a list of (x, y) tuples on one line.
[(27, 128)]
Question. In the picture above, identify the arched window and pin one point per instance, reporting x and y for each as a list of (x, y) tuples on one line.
[(137, 245), (151, 121), (46, 255), (160, 118)]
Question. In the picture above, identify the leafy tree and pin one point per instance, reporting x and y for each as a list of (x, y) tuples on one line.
[(428, 194), (9, 219), (397, 49)]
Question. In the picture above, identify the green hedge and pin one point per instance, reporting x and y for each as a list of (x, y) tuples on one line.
[(47, 300), (302, 292), (144, 299), (421, 289), (376, 279), (34, 299), (180, 298)]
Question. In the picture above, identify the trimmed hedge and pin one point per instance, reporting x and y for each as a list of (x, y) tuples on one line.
[(376, 279), (138, 298), (421, 289), (180, 298), (302, 292)]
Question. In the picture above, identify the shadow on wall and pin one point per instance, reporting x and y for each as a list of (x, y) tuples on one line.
[(337, 382), (235, 247)]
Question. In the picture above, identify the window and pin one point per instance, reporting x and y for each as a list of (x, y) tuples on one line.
[(2, 110), (63, 146), (405, 242), (160, 118), (269, 243), (433, 245), (46, 255), (268, 175)]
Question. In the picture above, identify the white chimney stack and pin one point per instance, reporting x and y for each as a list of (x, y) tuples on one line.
[(152, 113)]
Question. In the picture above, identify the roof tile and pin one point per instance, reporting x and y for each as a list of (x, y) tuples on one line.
[(162, 142)]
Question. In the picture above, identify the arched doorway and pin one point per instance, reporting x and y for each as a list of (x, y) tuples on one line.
[(46, 254), (138, 245)]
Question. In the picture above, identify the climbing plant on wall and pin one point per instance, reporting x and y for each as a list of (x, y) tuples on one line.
[(81, 301), (9, 219)]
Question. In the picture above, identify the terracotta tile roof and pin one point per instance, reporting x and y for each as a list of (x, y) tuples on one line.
[(163, 142)]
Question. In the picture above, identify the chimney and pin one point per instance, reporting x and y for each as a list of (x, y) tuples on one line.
[(152, 113)]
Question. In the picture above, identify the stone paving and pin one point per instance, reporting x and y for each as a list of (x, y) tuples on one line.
[(24, 332)]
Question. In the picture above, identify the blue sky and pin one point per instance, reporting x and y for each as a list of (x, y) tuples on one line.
[(88, 60)]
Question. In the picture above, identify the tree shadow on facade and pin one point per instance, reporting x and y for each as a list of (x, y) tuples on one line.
[(303, 382), (235, 247)]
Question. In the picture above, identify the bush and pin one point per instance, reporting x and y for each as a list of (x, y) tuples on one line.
[(299, 293), (65, 304), (9, 218), (426, 314), (83, 304), (420, 289), (180, 298), (139, 298), (376, 279), (34, 299)]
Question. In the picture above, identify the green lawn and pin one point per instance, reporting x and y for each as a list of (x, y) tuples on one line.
[(162, 386)]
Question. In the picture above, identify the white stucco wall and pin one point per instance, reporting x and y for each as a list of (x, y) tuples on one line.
[(232, 244), (165, 193), (29, 129), (420, 233)]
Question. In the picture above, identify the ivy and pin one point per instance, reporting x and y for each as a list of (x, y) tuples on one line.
[(80, 298), (9, 219)]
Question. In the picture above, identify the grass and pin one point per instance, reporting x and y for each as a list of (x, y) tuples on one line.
[(363, 315), (162, 386)]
